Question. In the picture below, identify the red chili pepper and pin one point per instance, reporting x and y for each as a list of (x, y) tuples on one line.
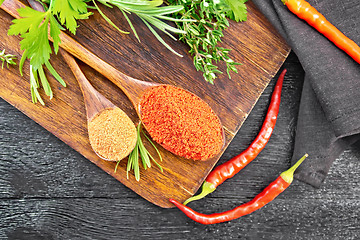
[(233, 166), (266, 196), (305, 11)]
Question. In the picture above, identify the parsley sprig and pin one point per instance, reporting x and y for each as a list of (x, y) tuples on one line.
[(34, 27), (204, 35)]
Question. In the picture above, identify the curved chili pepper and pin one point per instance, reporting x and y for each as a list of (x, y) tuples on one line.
[(266, 196), (305, 11), (233, 166)]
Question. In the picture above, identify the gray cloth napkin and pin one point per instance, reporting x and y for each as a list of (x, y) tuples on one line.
[(329, 115)]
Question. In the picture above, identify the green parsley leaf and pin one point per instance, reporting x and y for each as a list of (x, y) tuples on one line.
[(30, 19), (55, 33), (238, 10), (33, 27), (69, 11)]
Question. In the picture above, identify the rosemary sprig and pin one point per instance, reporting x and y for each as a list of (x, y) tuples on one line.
[(141, 152), (204, 35), (152, 13), (7, 58)]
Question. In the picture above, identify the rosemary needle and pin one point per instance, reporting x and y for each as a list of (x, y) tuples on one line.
[(141, 152)]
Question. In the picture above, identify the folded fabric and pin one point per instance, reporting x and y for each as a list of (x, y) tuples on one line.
[(329, 115)]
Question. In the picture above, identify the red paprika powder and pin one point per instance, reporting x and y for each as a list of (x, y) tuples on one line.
[(181, 122)]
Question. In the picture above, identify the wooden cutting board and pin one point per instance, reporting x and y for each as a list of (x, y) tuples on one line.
[(255, 44)]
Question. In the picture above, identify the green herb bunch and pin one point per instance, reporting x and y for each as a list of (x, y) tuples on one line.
[(7, 58), (35, 26), (205, 33)]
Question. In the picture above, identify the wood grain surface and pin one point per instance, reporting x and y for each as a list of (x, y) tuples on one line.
[(49, 191), (256, 45)]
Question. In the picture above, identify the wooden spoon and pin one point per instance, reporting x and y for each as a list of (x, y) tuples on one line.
[(95, 104)]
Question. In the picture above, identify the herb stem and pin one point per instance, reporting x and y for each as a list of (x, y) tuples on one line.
[(7, 58), (140, 152)]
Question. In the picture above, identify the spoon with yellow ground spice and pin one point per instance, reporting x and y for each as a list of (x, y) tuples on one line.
[(112, 133)]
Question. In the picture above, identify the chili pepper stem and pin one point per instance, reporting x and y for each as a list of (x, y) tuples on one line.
[(206, 189), (288, 175)]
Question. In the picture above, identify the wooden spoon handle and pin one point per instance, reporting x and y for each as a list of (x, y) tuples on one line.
[(124, 82), (94, 101), (132, 87)]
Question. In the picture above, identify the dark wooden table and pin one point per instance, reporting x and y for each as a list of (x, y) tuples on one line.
[(49, 191)]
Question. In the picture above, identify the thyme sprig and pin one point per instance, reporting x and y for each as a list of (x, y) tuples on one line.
[(204, 35), (141, 152), (7, 58)]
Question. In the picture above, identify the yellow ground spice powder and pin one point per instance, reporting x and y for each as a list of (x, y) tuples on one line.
[(112, 134)]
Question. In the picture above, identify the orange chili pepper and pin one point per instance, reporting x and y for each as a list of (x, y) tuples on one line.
[(305, 11), (263, 198)]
